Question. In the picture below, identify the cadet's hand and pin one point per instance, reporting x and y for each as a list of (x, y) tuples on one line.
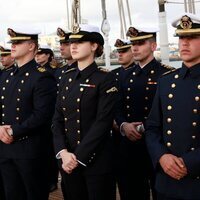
[(69, 161), (173, 166), (130, 131), (4, 136)]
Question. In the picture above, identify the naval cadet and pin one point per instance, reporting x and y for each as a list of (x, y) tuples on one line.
[(65, 53), (44, 57), (124, 55), (83, 120), (136, 93), (173, 126), (5, 58), (27, 104)]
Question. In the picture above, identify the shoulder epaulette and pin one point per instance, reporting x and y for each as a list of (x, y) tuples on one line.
[(53, 66), (169, 72), (167, 66), (103, 69), (41, 69), (70, 70)]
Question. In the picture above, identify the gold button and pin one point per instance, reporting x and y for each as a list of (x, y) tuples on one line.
[(65, 118), (127, 106), (57, 84), (19, 90), (78, 110), (17, 109), (194, 124), (169, 107), (78, 121), (3, 88), (198, 87), (128, 115), (129, 89), (64, 109), (66, 88), (3, 106), (81, 89), (78, 100), (11, 73), (59, 77), (147, 88), (27, 74), (87, 80), (146, 98), (169, 144), (195, 111), (78, 131), (131, 80), (173, 85), (170, 96), (197, 98), (145, 108), (169, 132), (149, 79), (145, 117), (3, 122), (117, 73), (63, 97), (127, 97), (70, 80), (134, 73), (65, 129), (169, 120), (7, 81), (18, 99), (194, 137), (192, 149), (78, 142), (176, 76), (3, 114), (22, 81), (17, 118), (2, 97), (197, 177), (152, 71)]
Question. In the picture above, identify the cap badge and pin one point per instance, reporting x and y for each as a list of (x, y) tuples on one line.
[(75, 28), (132, 32), (119, 43), (60, 32), (186, 22), (11, 33)]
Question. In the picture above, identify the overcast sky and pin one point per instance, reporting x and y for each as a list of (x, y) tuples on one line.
[(50, 14)]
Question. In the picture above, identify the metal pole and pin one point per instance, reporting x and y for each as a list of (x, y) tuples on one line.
[(185, 4), (68, 25), (124, 19), (189, 6), (129, 13), (193, 6), (105, 27), (121, 22), (164, 44)]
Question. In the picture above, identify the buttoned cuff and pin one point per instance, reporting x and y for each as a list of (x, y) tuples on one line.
[(58, 154)]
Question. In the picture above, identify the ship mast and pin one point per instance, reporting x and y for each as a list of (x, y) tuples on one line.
[(105, 28), (164, 44)]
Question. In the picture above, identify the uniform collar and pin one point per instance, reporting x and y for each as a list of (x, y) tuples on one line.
[(87, 71), (150, 66), (193, 71), (24, 68)]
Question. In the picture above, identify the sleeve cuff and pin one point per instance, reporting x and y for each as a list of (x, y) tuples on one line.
[(58, 154), (120, 129)]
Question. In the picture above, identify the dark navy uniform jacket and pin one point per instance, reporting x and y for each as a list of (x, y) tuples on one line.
[(174, 127), (137, 89), (27, 104), (84, 116)]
